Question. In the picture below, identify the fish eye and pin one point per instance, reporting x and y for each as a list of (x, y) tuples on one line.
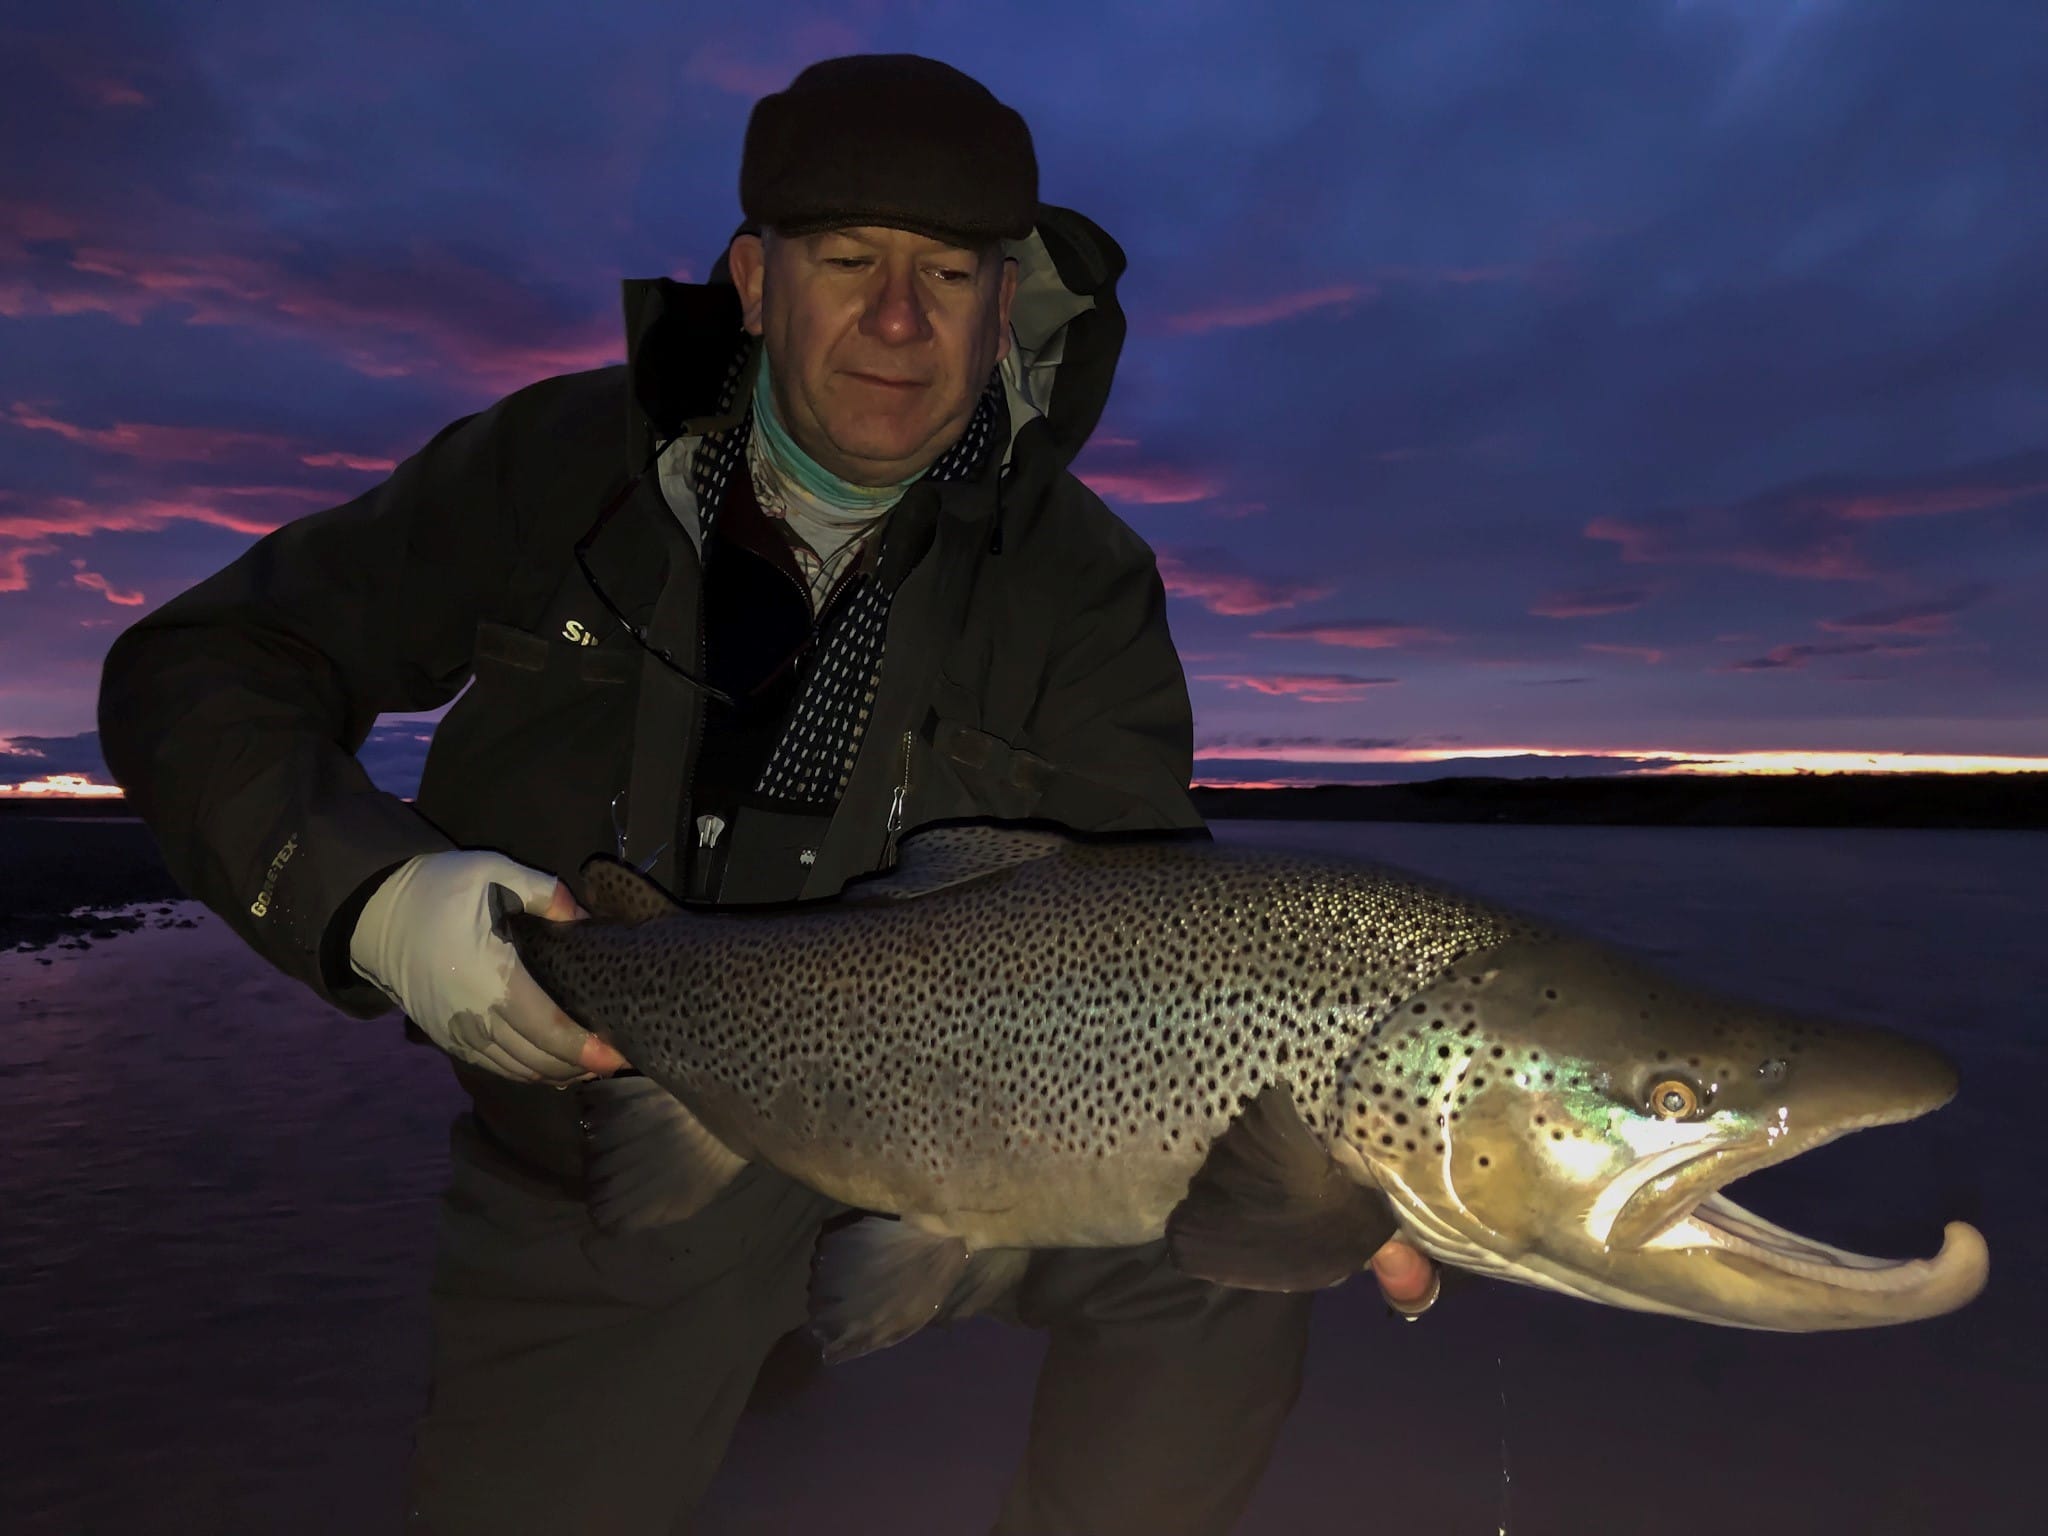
[(1674, 1099)]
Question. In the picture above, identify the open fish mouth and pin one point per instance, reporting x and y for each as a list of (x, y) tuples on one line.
[(1706, 1219), (1718, 1222)]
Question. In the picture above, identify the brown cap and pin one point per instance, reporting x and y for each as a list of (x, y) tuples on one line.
[(893, 139)]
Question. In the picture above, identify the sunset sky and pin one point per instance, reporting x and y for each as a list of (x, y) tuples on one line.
[(1621, 381)]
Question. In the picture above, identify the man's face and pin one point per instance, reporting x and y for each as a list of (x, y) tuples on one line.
[(879, 341)]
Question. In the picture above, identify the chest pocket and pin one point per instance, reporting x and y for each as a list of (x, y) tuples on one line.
[(529, 757), (502, 645), (986, 775)]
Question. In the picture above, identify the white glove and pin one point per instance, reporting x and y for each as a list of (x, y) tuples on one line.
[(425, 941)]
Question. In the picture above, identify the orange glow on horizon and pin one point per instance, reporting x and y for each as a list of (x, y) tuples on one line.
[(61, 786), (1664, 759)]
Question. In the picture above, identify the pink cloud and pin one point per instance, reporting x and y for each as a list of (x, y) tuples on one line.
[(1338, 296), (1821, 556), (1811, 530), (1590, 604), (22, 222), (1642, 653), (1309, 687), (107, 92), (142, 441), (208, 281), (70, 517), (358, 461), (139, 440), (1149, 484), (1793, 658), (20, 300), (1928, 500), (14, 563), (1357, 634), (94, 581), (1934, 617), (1220, 587), (1284, 306), (427, 313)]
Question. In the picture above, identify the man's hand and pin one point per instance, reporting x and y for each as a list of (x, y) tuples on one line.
[(425, 941), (1407, 1279)]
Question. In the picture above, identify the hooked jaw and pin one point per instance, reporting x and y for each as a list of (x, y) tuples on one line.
[(1747, 1271)]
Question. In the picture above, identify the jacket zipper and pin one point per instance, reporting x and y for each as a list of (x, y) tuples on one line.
[(690, 862), (897, 802)]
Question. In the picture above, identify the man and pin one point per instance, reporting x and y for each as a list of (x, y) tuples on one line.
[(841, 582)]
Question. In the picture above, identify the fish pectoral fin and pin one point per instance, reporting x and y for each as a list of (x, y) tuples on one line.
[(650, 1161), (617, 892), (946, 856), (990, 1277), (1271, 1210), (879, 1280)]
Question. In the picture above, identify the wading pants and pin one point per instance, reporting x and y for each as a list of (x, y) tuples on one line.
[(587, 1384)]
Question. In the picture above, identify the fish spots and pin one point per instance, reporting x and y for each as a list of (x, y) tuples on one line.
[(1104, 1003)]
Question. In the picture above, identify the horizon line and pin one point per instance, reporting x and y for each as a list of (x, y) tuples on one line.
[(1646, 764)]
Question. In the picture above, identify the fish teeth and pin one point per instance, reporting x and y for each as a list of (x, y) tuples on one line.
[(1727, 1225)]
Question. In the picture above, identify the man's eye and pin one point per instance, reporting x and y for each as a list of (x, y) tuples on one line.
[(951, 274), (846, 263)]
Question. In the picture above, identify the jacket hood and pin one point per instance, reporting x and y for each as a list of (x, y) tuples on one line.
[(1067, 332)]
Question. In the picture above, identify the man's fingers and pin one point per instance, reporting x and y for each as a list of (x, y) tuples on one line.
[(562, 906), (532, 1013), (534, 1055), (595, 1056), (492, 1054), (1403, 1271)]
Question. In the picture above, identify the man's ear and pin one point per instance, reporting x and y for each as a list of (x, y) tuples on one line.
[(1005, 297), (747, 259)]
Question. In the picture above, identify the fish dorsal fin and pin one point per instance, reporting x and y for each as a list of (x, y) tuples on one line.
[(879, 1280), (619, 893), (947, 856), (1271, 1210), (651, 1162)]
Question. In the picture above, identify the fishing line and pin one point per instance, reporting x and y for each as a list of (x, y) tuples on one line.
[(1504, 1489)]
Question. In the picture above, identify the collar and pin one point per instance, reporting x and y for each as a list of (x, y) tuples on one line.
[(681, 342)]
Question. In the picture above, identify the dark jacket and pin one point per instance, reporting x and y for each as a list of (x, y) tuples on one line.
[(1028, 669)]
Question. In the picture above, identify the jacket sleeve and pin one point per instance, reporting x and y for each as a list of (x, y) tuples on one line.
[(232, 714), (1113, 720)]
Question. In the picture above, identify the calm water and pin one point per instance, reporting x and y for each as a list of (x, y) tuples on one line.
[(218, 1211)]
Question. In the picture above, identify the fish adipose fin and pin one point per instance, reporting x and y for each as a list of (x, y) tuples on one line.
[(1270, 1209), (617, 892), (945, 856), (879, 1280), (651, 1162)]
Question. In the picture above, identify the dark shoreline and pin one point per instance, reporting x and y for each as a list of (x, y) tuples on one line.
[(61, 855), (1986, 801), (55, 862)]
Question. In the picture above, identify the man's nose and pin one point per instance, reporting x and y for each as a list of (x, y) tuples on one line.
[(896, 310)]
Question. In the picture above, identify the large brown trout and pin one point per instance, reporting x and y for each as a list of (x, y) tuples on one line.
[(1018, 1040)]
